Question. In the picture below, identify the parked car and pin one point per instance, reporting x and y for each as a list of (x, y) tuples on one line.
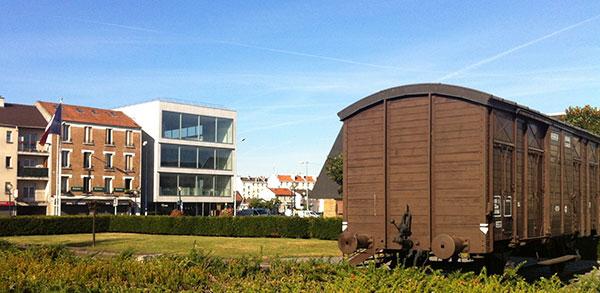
[(306, 214), (254, 212)]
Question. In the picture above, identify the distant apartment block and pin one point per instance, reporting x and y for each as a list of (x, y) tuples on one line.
[(100, 160), (189, 151), (252, 187), (24, 172), (298, 183)]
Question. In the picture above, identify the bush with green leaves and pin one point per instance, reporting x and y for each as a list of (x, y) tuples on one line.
[(271, 226), (44, 269)]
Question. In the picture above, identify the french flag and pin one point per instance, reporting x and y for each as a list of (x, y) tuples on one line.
[(54, 125)]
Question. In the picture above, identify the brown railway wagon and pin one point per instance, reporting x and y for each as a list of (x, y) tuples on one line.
[(442, 170)]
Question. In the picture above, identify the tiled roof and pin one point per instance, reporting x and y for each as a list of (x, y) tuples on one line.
[(282, 191), (285, 178), (301, 179), (260, 179), (21, 116), (90, 115)]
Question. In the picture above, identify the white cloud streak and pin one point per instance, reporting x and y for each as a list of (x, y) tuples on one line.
[(517, 48), (134, 28), (255, 47)]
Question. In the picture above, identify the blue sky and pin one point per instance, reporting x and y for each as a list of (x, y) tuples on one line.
[(288, 67)]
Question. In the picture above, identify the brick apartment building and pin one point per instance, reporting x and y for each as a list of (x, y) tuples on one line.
[(24, 171), (100, 160)]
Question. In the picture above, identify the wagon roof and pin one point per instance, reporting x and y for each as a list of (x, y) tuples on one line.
[(462, 93)]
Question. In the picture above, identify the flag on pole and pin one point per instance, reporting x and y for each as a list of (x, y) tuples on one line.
[(54, 125)]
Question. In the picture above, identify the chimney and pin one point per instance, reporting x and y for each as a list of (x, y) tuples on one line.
[(1, 102)]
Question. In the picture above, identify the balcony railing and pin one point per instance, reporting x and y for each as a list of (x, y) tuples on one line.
[(32, 148), (32, 172)]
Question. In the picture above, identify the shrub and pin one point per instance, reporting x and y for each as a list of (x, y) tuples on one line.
[(272, 226), (49, 270), (43, 225)]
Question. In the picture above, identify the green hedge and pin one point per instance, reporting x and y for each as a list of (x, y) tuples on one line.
[(43, 225), (286, 227)]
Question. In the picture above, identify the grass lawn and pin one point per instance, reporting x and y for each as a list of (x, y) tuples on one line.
[(175, 244)]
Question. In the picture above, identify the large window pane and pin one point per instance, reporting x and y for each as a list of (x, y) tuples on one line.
[(207, 128), (223, 159), (223, 186), (168, 184), (169, 155), (170, 124), (224, 130), (189, 126), (204, 183), (188, 156), (206, 158), (188, 184)]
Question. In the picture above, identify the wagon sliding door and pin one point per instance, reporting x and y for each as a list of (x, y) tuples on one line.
[(593, 189), (535, 202), (535, 180), (503, 176), (573, 183)]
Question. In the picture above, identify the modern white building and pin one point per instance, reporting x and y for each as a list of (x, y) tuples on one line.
[(188, 156)]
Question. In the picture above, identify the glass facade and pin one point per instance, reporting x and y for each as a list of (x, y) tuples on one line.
[(224, 130), (223, 159), (170, 125), (188, 157), (189, 127), (195, 185), (195, 157), (206, 158), (195, 127), (207, 128), (168, 184), (169, 155)]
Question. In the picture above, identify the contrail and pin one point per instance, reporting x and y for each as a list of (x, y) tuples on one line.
[(262, 48), (288, 52), (134, 28), (510, 51)]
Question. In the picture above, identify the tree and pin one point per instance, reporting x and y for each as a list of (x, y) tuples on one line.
[(261, 203), (586, 117), (334, 167)]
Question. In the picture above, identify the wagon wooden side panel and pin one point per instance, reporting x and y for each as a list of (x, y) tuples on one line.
[(408, 141), (458, 169), (364, 181)]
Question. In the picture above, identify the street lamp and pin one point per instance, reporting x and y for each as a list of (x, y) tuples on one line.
[(294, 184), (306, 182), (9, 191), (144, 162), (179, 201)]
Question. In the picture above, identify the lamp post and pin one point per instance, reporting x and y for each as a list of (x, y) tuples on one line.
[(145, 167), (294, 184), (9, 191), (306, 182), (179, 201)]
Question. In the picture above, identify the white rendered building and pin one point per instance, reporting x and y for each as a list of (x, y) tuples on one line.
[(188, 154)]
